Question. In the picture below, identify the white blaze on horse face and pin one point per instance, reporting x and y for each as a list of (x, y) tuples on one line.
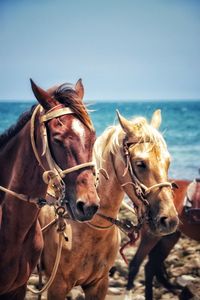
[(79, 129)]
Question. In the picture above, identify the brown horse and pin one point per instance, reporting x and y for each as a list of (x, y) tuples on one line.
[(51, 137), (158, 248), (134, 155)]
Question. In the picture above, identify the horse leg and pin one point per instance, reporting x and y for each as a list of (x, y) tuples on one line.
[(149, 274), (160, 254), (96, 290), (58, 290), (155, 266), (146, 244), (18, 294)]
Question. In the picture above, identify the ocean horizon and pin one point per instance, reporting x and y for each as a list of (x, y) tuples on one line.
[(180, 125), (2, 100)]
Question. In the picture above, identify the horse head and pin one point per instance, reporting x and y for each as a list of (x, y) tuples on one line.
[(145, 159), (66, 148)]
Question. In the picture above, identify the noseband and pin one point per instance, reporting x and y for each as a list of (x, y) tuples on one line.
[(141, 190), (54, 175)]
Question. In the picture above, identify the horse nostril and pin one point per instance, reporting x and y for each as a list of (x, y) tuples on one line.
[(80, 206), (168, 223), (87, 210), (164, 221)]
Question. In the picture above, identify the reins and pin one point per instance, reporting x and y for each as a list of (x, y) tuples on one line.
[(61, 226), (38, 201)]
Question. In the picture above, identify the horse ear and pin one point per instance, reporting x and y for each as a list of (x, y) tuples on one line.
[(125, 124), (42, 96), (79, 88), (156, 119)]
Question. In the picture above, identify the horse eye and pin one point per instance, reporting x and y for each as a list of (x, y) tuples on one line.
[(140, 164), (129, 145)]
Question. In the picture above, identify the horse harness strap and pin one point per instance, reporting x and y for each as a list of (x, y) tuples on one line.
[(54, 271), (125, 226), (99, 227), (113, 221), (38, 201), (55, 113)]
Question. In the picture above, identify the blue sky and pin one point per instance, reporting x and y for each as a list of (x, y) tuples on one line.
[(128, 49)]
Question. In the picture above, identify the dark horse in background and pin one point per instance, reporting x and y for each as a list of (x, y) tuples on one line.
[(158, 248), (23, 160)]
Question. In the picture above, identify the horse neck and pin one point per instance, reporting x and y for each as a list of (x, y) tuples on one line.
[(20, 171), (110, 191)]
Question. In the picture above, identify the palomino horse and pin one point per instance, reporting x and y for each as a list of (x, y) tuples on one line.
[(158, 248), (50, 141), (134, 155)]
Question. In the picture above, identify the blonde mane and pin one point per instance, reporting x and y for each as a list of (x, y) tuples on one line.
[(112, 138)]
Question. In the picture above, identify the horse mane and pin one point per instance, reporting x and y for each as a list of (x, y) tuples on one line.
[(112, 138), (67, 95), (64, 94), (15, 129)]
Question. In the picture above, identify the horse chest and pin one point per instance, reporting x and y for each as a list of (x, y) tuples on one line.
[(96, 257), (18, 258)]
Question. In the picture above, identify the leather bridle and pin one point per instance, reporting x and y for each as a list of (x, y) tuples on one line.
[(54, 175), (141, 190)]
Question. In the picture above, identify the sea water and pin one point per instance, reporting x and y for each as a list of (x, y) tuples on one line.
[(180, 126)]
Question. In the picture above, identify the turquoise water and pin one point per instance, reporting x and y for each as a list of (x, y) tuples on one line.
[(180, 126)]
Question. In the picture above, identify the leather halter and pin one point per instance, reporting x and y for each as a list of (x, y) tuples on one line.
[(141, 190), (54, 175)]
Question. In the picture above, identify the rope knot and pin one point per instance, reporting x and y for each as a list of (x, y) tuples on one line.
[(49, 176), (138, 191), (55, 183), (60, 211)]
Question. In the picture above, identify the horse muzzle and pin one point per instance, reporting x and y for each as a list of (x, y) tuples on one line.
[(85, 211), (163, 225), (82, 210)]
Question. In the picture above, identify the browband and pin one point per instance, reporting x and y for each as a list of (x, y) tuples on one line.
[(136, 140), (56, 113)]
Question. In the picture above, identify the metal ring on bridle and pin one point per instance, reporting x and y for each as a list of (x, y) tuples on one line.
[(60, 211)]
